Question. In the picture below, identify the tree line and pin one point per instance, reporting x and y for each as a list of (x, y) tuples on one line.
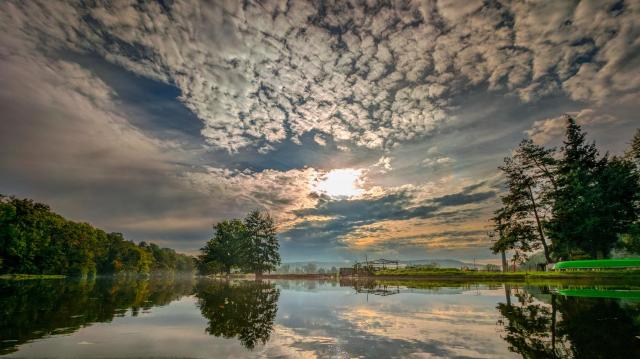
[(247, 245), (571, 203), (36, 240)]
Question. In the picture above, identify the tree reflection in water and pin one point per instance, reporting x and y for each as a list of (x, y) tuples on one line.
[(570, 327), (244, 310), (34, 309)]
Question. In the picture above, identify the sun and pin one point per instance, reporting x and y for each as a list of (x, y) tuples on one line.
[(345, 182)]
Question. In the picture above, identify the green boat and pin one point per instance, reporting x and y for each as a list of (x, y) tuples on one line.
[(621, 263), (601, 293)]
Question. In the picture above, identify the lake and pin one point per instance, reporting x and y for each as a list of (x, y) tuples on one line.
[(205, 318)]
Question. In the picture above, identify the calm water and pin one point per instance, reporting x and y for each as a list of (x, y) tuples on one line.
[(191, 318)]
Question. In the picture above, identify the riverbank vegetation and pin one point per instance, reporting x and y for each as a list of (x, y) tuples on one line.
[(249, 246), (36, 240), (569, 204), (457, 274)]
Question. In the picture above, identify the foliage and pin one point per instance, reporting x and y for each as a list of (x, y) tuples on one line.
[(226, 249), (35, 240), (310, 268), (572, 204), (596, 199), (529, 180), (262, 252), (249, 245)]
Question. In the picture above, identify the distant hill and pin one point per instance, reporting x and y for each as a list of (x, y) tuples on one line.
[(320, 264), (441, 263)]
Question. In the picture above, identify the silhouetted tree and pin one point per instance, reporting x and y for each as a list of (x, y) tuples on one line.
[(530, 180), (595, 201)]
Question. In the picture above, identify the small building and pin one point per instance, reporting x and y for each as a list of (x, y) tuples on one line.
[(368, 267)]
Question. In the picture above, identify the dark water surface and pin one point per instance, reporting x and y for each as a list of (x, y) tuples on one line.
[(205, 318)]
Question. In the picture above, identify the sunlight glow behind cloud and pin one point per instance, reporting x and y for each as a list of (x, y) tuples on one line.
[(345, 182)]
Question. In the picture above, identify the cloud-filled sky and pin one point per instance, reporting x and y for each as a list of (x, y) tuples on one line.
[(364, 127)]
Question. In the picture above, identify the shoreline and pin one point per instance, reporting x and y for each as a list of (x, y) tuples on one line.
[(472, 276)]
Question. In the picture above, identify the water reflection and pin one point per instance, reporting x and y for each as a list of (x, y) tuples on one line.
[(204, 318), (37, 308), (542, 324), (371, 287), (244, 310)]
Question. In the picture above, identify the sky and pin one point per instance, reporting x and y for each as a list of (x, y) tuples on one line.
[(366, 128)]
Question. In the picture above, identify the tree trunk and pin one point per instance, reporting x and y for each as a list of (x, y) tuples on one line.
[(542, 239), (505, 265)]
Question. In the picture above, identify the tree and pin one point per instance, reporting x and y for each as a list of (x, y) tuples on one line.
[(35, 240), (529, 181), (226, 249), (310, 268), (630, 241), (595, 200), (285, 268), (261, 251), (633, 153)]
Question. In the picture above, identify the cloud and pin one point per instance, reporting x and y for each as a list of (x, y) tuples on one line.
[(423, 98), (350, 225), (65, 142), (319, 139), (259, 74), (551, 130), (384, 164)]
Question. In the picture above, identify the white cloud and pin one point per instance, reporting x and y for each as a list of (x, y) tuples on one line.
[(250, 71), (319, 139), (551, 130), (384, 164)]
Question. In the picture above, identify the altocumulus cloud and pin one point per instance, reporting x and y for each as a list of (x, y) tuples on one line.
[(390, 88)]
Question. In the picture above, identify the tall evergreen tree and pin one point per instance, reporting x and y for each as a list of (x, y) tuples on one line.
[(262, 243), (630, 241), (530, 180), (633, 153), (594, 201)]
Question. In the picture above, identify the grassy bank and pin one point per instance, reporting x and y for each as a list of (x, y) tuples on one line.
[(454, 274), (30, 276)]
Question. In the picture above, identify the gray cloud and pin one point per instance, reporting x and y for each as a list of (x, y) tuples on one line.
[(342, 217)]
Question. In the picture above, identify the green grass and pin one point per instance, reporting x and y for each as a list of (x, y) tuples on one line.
[(600, 264), (452, 274), (30, 276)]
